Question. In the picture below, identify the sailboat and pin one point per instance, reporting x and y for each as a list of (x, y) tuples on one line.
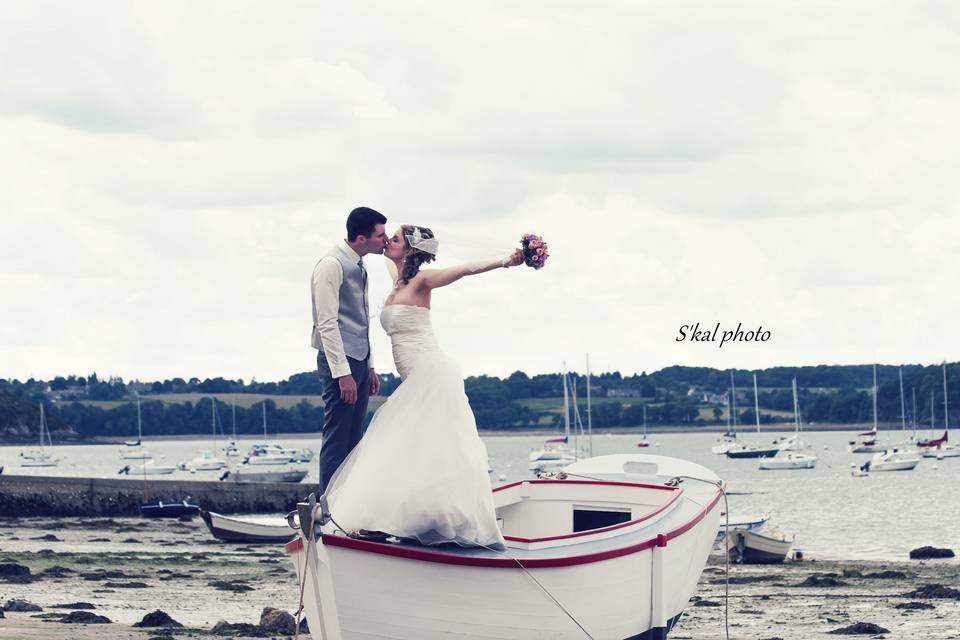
[(868, 441), (207, 460), (940, 447), (555, 454), (137, 453), (789, 459), (231, 449), (729, 439), (40, 457), (751, 449), (893, 458), (644, 443)]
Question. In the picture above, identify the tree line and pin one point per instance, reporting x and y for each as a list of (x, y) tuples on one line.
[(671, 396)]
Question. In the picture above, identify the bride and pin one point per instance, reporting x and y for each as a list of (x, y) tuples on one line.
[(420, 470)]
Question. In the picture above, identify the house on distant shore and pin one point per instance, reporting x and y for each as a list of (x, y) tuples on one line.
[(699, 395), (621, 392)]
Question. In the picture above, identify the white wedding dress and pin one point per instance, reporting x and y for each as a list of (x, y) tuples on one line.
[(420, 470)]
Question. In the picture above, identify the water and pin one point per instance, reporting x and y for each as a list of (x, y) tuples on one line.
[(834, 516)]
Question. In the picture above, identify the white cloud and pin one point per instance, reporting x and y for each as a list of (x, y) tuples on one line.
[(173, 170)]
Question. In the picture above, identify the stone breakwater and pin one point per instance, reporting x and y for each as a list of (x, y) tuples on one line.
[(24, 496)]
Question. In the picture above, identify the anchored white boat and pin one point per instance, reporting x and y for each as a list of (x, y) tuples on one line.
[(40, 457), (894, 460), (149, 468), (555, 454), (602, 559), (941, 447), (207, 460), (788, 457), (868, 441), (767, 546), (136, 451), (788, 460)]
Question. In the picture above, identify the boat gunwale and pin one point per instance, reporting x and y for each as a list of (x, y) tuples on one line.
[(509, 562)]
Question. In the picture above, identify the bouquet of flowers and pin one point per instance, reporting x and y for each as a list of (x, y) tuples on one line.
[(535, 251)]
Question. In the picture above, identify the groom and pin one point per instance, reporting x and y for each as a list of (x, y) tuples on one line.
[(341, 332)]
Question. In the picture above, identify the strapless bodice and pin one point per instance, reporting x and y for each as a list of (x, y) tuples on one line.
[(411, 334)]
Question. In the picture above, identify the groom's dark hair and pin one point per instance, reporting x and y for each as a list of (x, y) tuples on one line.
[(361, 222)]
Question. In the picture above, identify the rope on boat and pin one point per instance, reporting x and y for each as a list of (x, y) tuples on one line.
[(542, 588)]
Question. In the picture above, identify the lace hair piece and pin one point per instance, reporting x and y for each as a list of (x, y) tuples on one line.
[(417, 241)]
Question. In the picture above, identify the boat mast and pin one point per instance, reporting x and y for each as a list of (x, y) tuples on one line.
[(932, 412), (733, 394), (233, 411), (42, 421), (139, 427), (644, 420), (566, 405), (903, 407), (946, 414), (264, 405), (875, 398), (213, 422), (756, 402), (589, 417), (913, 416), (796, 410)]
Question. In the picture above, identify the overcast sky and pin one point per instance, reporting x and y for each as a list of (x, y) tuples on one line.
[(173, 170)]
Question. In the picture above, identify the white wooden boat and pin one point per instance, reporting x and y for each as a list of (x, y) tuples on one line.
[(603, 559), (767, 546), (256, 529)]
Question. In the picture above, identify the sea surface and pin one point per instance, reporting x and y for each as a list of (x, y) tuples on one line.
[(834, 516)]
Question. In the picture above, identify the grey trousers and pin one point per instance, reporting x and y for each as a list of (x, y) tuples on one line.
[(342, 422)]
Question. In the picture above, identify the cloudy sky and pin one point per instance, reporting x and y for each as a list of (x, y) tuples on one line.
[(173, 170)]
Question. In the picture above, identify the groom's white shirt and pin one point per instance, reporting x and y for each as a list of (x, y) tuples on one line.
[(326, 281)]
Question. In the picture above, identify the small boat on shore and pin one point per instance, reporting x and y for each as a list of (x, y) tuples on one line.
[(161, 509), (767, 546), (603, 559), (749, 522), (256, 530)]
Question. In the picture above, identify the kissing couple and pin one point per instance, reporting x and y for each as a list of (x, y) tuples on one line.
[(420, 470)]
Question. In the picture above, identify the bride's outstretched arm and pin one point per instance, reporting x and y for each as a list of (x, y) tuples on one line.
[(435, 278)]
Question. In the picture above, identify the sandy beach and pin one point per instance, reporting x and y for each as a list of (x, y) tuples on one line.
[(125, 568)]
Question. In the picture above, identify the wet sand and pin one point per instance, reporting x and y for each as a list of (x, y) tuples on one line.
[(128, 567)]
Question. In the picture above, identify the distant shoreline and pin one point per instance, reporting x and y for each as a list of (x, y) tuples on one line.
[(519, 431)]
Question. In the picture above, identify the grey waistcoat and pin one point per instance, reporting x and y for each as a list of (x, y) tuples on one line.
[(354, 317)]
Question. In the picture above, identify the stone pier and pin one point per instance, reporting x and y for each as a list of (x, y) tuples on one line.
[(22, 496)]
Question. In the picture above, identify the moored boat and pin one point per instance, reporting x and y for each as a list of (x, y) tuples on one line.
[(290, 475), (603, 559), (258, 530), (767, 546), (161, 509), (894, 460)]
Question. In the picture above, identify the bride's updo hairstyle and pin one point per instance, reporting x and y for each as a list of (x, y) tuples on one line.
[(413, 236)]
